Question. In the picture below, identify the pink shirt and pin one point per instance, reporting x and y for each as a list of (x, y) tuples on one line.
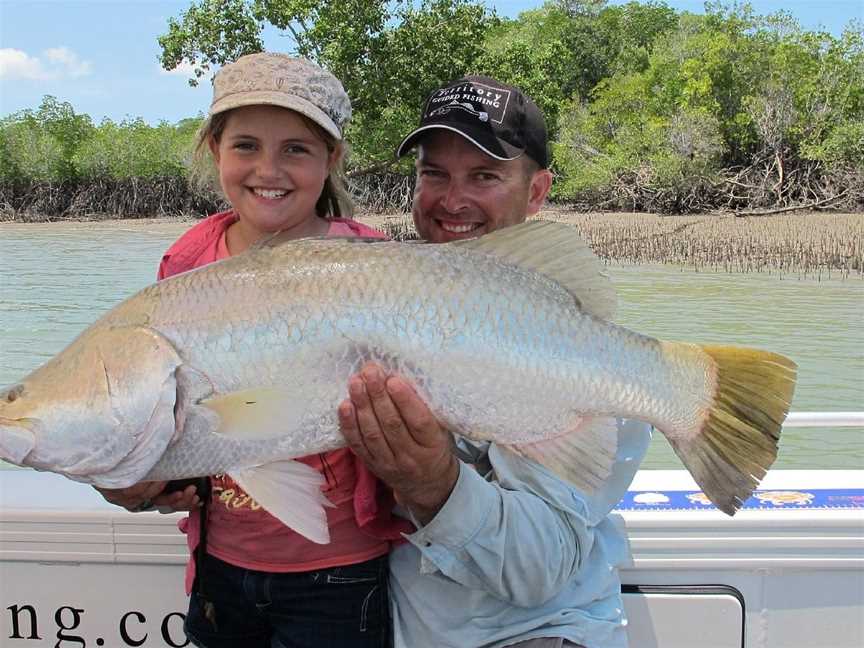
[(239, 531)]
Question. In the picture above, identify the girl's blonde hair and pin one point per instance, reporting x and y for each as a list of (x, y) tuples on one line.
[(334, 201)]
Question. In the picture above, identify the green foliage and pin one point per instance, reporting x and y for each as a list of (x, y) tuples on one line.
[(40, 143), (132, 149), (53, 144), (213, 31), (722, 91), (28, 153), (843, 145), (562, 50)]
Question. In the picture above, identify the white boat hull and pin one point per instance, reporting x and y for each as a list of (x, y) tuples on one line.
[(782, 576), (74, 568)]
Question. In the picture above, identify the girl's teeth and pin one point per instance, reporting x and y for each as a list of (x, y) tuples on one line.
[(269, 193), (458, 229)]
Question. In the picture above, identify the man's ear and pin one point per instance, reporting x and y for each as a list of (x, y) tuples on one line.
[(538, 189)]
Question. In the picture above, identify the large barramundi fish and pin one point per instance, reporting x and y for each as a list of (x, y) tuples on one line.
[(239, 366)]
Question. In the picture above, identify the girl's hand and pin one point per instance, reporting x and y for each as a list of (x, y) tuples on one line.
[(146, 496)]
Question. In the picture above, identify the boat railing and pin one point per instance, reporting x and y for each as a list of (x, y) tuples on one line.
[(824, 419)]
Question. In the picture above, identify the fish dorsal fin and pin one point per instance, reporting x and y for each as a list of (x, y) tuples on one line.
[(558, 252)]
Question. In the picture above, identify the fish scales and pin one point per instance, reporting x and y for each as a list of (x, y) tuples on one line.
[(509, 364)]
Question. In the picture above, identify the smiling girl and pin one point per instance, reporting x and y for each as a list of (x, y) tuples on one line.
[(275, 134)]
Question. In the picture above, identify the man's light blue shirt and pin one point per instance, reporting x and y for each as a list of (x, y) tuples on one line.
[(515, 553)]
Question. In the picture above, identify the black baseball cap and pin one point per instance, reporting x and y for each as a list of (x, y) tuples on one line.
[(498, 118)]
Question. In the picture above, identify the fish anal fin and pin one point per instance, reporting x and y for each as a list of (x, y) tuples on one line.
[(556, 251), (583, 456), (291, 492)]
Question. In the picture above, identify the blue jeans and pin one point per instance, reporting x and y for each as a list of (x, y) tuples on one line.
[(339, 607)]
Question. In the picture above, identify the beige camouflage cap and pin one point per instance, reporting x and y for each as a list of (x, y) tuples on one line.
[(282, 80)]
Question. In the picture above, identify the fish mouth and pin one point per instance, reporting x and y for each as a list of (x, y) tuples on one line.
[(16, 440)]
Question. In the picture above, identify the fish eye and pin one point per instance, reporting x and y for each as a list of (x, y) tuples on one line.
[(14, 393)]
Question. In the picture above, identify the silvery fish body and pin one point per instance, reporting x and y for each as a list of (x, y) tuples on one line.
[(492, 351), (242, 364)]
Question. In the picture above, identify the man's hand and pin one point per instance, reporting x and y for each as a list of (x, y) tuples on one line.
[(392, 430), (145, 496)]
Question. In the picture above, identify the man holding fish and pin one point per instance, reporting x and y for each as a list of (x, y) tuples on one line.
[(505, 553)]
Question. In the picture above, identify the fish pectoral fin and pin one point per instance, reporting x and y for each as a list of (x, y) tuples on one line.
[(291, 492), (583, 456), (261, 413)]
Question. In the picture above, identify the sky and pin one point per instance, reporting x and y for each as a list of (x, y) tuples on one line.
[(103, 58)]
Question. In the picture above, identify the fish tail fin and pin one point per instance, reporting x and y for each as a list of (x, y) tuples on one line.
[(737, 441)]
